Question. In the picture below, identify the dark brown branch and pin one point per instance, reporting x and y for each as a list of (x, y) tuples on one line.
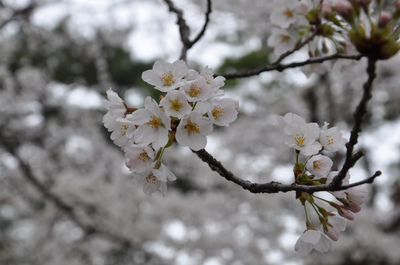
[(273, 186), (359, 115), (24, 12), (280, 67), (184, 29)]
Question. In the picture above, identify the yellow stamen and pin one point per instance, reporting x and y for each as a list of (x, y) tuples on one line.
[(151, 179), (194, 90), (300, 139), (154, 122), (168, 78), (192, 127), (144, 157), (175, 104), (288, 13), (124, 128), (317, 165), (330, 140), (284, 38), (218, 113)]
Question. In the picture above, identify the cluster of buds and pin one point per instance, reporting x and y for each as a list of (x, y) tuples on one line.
[(312, 142), (374, 33), (185, 114)]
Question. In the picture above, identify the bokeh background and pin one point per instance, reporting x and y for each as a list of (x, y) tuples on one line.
[(65, 194)]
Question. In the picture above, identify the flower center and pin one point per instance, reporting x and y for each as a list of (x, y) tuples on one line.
[(330, 140), (192, 127), (151, 179), (218, 113), (154, 122), (168, 78), (300, 138), (175, 104), (288, 13), (317, 165), (144, 157), (284, 38), (194, 91), (124, 128)]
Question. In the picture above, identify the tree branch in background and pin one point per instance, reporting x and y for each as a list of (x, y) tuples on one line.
[(23, 12), (280, 67), (184, 29), (67, 209)]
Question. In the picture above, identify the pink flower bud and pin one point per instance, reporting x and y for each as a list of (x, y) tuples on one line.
[(332, 232), (326, 8), (357, 194), (346, 213), (344, 8), (384, 19), (355, 208)]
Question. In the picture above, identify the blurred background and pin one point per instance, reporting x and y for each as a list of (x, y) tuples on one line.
[(65, 194)]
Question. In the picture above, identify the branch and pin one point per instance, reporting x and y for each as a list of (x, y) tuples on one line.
[(273, 186), (359, 115), (280, 67), (184, 29), (67, 209)]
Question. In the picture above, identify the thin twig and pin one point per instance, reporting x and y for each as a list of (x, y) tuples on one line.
[(280, 67), (184, 29)]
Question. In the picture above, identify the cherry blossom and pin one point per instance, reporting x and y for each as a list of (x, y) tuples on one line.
[(281, 40), (154, 180), (138, 158), (357, 194), (197, 90), (192, 131), (166, 76), (175, 104), (312, 239), (331, 139), (303, 138), (334, 226), (319, 165), (153, 123), (114, 104), (223, 111), (341, 194)]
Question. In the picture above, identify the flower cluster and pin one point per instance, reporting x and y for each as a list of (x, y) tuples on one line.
[(331, 25), (312, 142), (186, 113)]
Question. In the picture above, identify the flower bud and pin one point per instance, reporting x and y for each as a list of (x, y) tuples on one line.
[(345, 9), (357, 194), (384, 19), (346, 213)]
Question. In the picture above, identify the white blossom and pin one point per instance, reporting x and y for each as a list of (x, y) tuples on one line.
[(114, 104), (166, 76), (303, 138), (312, 239), (281, 40), (223, 111), (138, 158), (197, 90), (335, 225), (175, 104), (153, 123), (192, 131), (319, 165), (331, 139), (154, 180)]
